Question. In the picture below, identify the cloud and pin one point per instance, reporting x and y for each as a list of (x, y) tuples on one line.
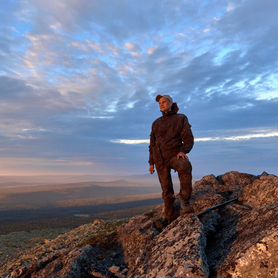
[(244, 137), (75, 75), (130, 141), (239, 137), (248, 20), (34, 166)]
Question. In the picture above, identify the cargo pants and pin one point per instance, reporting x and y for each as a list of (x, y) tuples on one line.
[(184, 169)]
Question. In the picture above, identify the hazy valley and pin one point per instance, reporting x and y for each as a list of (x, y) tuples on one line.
[(33, 209), (38, 202)]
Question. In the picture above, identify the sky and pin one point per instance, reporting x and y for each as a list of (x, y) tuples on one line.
[(78, 80)]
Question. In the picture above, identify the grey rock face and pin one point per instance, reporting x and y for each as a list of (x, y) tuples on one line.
[(178, 251), (207, 183), (87, 251), (137, 235), (234, 178), (235, 240), (261, 193), (242, 241), (253, 249)]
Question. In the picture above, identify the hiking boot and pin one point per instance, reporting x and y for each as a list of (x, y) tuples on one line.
[(186, 208), (160, 224), (172, 218), (169, 216)]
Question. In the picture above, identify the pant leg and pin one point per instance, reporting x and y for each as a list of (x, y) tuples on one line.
[(184, 169), (165, 179)]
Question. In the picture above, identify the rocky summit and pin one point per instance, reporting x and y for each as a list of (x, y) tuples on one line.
[(232, 233)]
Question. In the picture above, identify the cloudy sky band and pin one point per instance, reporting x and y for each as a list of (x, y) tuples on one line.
[(75, 75), (204, 139)]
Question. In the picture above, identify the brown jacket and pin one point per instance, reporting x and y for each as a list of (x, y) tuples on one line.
[(170, 135)]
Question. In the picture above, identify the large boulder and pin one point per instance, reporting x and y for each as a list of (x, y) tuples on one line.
[(137, 234), (178, 251), (252, 245), (241, 236), (229, 185), (87, 251), (234, 178), (201, 201), (207, 183), (261, 192)]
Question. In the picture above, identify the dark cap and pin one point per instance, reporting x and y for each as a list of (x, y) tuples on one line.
[(158, 97)]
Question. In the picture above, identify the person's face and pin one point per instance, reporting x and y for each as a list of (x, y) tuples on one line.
[(164, 104)]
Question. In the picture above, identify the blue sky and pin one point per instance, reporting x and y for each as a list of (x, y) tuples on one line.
[(78, 81)]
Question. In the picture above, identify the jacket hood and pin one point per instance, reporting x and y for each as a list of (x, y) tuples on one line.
[(174, 110)]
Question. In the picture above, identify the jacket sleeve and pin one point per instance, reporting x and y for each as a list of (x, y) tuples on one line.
[(187, 137), (151, 147)]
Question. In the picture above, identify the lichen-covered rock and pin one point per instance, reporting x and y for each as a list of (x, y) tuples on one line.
[(252, 245), (77, 253), (178, 251), (201, 202), (229, 183), (207, 183), (259, 260), (262, 192), (76, 263), (146, 256), (234, 180), (235, 233), (137, 235)]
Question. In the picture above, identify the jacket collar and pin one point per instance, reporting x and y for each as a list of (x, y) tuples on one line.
[(174, 110), (169, 113)]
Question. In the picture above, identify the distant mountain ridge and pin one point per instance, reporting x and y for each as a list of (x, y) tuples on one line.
[(64, 179)]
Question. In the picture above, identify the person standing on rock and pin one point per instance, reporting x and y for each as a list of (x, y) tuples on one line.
[(171, 139)]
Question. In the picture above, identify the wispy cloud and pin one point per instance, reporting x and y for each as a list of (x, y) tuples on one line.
[(239, 137), (130, 141), (75, 75), (206, 139), (32, 166)]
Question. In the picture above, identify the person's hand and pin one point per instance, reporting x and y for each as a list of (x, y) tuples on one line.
[(182, 155), (152, 169)]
